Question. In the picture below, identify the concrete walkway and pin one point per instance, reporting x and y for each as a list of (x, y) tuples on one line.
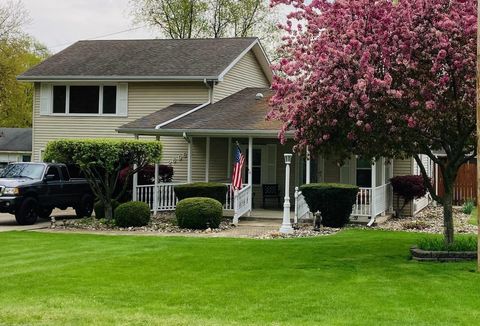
[(8, 223)]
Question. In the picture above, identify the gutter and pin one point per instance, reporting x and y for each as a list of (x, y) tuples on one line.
[(204, 132), (115, 78)]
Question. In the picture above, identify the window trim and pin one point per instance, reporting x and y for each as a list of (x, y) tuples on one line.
[(100, 101)]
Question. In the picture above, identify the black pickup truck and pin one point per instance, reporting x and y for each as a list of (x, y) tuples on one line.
[(32, 190)]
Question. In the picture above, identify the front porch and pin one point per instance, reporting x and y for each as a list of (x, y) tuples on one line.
[(265, 167)]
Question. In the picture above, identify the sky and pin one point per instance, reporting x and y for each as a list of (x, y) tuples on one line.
[(60, 23)]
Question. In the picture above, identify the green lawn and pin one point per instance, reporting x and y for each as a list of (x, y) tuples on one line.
[(355, 277)]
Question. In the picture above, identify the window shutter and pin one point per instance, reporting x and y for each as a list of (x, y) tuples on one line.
[(122, 99), (271, 173), (46, 98)]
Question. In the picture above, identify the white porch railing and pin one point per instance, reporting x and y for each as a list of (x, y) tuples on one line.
[(301, 207), (363, 204), (242, 202), (167, 200), (382, 198)]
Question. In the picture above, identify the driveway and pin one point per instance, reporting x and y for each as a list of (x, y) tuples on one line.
[(8, 223)]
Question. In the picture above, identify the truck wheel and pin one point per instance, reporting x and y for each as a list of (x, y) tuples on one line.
[(44, 212), (27, 214), (85, 208)]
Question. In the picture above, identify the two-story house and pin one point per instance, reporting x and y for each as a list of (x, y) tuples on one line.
[(200, 97)]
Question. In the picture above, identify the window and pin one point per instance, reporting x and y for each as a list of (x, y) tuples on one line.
[(53, 171), (109, 99), (65, 174), (26, 158), (364, 173), (84, 99), (59, 99)]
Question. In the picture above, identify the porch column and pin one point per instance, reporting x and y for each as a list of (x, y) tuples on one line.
[(189, 161), (155, 188), (229, 159), (307, 167), (372, 191), (207, 159), (135, 178), (250, 161)]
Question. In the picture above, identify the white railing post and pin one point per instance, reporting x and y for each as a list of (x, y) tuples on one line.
[(155, 191), (207, 159), (372, 192), (295, 214), (189, 161), (236, 204)]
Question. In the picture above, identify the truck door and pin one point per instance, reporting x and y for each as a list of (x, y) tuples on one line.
[(54, 194)]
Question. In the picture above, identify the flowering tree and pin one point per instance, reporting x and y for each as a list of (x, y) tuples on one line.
[(377, 78)]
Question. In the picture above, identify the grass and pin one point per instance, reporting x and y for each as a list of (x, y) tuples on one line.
[(437, 243), (359, 277), (473, 217)]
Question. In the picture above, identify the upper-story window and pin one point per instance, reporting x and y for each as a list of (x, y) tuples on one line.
[(85, 99)]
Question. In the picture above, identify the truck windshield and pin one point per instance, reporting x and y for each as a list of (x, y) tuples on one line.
[(29, 171)]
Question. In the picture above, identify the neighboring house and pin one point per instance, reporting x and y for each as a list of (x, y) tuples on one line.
[(15, 145), (199, 97)]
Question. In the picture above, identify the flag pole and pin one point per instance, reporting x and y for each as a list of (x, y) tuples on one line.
[(478, 134)]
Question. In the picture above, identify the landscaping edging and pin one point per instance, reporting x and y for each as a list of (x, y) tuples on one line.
[(425, 255)]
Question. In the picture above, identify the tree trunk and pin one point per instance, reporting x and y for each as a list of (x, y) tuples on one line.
[(108, 210), (448, 216)]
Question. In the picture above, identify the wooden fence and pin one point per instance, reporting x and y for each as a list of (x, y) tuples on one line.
[(465, 187)]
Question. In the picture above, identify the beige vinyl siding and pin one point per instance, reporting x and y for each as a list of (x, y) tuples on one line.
[(143, 99), (246, 73), (402, 167), (332, 171)]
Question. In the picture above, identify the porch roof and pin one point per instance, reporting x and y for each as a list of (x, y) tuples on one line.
[(238, 114)]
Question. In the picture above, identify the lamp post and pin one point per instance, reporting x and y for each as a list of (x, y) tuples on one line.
[(286, 224)]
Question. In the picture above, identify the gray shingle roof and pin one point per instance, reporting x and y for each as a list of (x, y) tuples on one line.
[(15, 140), (152, 120), (142, 58), (238, 112)]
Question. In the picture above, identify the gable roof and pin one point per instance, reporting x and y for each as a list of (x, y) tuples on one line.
[(239, 113), (15, 140), (147, 60)]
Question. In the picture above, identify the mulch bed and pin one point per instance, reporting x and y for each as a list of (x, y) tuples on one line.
[(162, 223), (430, 220)]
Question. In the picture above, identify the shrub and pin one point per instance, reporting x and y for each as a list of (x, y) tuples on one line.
[(461, 243), (468, 207), (99, 209), (199, 213), (334, 201), (407, 187), (212, 190), (133, 213)]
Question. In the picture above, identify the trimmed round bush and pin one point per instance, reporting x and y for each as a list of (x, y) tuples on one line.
[(334, 201), (100, 210), (134, 213), (199, 213), (212, 190)]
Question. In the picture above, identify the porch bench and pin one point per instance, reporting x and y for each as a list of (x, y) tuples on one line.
[(270, 191)]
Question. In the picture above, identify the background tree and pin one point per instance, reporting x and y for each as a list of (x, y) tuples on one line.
[(378, 79), (180, 19), (18, 52), (102, 160)]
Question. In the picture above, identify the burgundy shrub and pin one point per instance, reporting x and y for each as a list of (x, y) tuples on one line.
[(408, 187)]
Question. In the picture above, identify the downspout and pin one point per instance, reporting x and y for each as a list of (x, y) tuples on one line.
[(210, 91)]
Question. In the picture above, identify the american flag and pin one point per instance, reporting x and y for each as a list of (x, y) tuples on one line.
[(237, 169)]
